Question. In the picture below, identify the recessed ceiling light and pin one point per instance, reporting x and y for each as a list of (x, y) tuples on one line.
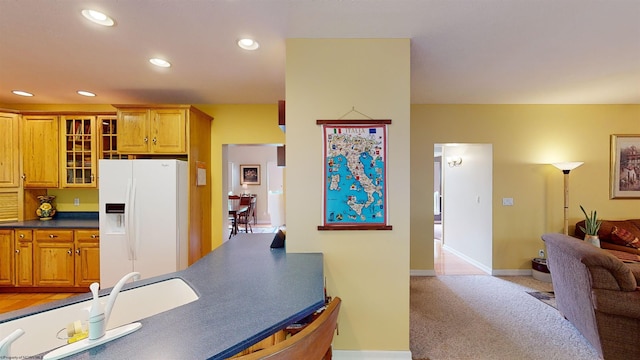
[(22, 93), (86, 93), (160, 62), (248, 44), (98, 17)]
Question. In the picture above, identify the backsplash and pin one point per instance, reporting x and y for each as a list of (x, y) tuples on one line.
[(87, 199)]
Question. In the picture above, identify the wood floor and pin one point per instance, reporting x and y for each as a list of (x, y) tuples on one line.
[(16, 301), (447, 263)]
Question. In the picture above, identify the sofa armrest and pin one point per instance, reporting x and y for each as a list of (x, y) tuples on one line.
[(606, 271), (635, 270), (614, 302)]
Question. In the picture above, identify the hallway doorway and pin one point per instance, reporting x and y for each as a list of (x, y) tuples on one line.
[(463, 239)]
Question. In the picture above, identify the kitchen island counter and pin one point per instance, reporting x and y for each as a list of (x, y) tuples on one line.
[(246, 290)]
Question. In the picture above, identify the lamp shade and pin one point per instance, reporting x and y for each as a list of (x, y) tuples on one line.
[(567, 166)]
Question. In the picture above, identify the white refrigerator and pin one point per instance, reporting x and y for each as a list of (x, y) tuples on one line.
[(143, 218)]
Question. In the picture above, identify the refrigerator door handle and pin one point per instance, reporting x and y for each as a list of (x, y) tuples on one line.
[(133, 245), (127, 219)]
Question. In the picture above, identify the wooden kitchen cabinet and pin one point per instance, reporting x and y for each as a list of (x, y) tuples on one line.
[(109, 130), (40, 151), (10, 188), (23, 258), (53, 258), (87, 262), (78, 155), (159, 130), (9, 150), (6, 258)]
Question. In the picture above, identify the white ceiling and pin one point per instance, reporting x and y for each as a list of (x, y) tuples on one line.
[(462, 51)]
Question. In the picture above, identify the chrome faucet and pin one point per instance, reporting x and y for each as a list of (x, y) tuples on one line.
[(5, 344), (99, 318)]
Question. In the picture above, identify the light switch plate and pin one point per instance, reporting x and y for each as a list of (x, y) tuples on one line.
[(507, 201)]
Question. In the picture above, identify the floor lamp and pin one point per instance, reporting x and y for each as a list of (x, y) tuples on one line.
[(566, 167)]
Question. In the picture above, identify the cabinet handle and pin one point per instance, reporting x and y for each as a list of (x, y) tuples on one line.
[(94, 236), (92, 177), (17, 251), (146, 139), (70, 252), (155, 141), (52, 236), (78, 252), (24, 176), (21, 236)]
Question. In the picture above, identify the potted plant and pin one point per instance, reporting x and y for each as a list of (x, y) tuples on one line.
[(591, 227)]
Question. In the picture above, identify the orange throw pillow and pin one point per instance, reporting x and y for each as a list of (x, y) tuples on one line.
[(625, 237)]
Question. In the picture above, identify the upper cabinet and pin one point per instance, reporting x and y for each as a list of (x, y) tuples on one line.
[(61, 149), (40, 151), (9, 150), (78, 153), (152, 130), (108, 126)]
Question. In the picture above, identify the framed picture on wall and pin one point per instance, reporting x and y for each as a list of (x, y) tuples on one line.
[(250, 174), (625, 167), (354, 174)]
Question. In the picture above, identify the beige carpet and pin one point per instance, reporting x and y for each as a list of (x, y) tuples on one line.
[(482, 317)]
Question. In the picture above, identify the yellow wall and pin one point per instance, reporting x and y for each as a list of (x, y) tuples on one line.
[(64, 199), (236, 124), (369, 270), (525, 138)]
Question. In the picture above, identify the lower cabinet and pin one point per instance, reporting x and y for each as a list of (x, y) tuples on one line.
[(24, 258), (49, 258), (87, 256), (53, 259), (6, 257)]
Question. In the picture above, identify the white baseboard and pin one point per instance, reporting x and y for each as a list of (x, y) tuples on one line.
[(468, 259), (422, 273), (371, 355)]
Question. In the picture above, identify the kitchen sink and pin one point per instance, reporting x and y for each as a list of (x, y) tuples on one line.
[(41, 329)]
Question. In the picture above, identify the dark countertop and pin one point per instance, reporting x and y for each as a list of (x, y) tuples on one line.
[(246, 291), (62, 220)]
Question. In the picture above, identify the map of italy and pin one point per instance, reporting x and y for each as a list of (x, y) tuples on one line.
[(355, 175)]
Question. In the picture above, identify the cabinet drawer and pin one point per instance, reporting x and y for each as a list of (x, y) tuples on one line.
[(87, 235), (54, 235), (24, 235)]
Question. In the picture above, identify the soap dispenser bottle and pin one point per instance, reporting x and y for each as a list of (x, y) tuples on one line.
[(97, 325)]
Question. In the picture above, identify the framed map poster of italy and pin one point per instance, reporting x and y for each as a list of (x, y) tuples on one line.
[(355, 174)]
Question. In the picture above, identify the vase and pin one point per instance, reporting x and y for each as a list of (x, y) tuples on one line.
[(593, 240), (46, 210)]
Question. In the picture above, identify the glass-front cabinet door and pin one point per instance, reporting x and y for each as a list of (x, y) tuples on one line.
[(78, 160), (109, 133)]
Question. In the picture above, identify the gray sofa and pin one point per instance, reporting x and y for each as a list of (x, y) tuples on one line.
[(598, 294)]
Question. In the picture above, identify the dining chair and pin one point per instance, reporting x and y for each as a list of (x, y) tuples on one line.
[(234, 201), (312, 343), (244, 218)]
